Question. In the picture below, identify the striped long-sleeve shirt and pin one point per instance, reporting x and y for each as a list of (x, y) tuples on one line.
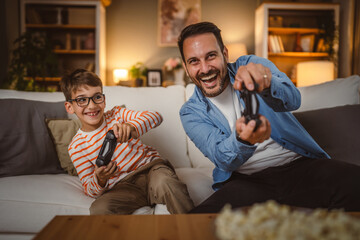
[(129, 156)]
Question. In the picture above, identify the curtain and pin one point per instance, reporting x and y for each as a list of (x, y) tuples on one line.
[(356, 47)]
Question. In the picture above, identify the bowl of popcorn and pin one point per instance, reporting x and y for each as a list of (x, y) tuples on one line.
[(270, 221)]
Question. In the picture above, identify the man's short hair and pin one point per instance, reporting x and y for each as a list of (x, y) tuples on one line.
[(70, 83), (196, 29)]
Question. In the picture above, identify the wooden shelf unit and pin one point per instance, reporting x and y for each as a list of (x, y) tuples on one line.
[(68, 24), (59, 26), (279, 30), (300, 54), (297, 20)]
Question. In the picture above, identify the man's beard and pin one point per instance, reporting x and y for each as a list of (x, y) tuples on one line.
[(222, 83)]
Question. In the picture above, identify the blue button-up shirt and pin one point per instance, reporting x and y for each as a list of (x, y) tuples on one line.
[(209, 129)]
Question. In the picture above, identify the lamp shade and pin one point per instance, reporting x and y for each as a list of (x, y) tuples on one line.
[(236, 50), (120, 75), (314, 72)]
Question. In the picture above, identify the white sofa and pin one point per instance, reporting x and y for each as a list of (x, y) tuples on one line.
[(29, 202)]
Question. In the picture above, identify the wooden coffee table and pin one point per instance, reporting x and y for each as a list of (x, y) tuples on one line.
[(124, 227)]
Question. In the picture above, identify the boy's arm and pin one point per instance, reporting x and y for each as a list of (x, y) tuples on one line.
[(142, 121), (86, 172)]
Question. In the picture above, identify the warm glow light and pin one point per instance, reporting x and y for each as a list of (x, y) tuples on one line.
[(120, 75), (236, 50), (314, 72)]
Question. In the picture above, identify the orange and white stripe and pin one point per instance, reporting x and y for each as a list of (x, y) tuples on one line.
[(129, 156)]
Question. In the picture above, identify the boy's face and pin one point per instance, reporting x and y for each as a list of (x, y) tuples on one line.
[(91, 116)]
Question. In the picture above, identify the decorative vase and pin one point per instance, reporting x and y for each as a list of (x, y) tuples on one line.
[(179, 76)]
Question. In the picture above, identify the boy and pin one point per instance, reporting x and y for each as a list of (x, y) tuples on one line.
[(136, 176)]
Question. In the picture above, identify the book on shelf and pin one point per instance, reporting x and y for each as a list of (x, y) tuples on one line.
[(276, 44), (281, 44)]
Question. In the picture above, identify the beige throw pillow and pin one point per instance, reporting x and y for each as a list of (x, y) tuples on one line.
[(62, 131)]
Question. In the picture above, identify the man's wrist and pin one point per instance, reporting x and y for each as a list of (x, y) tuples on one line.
[(242, 141)]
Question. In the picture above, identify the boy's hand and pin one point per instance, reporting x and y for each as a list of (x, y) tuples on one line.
[(124, 131), (103, 173)]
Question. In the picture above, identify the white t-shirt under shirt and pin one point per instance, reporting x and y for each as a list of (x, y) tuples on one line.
[(268, 153)]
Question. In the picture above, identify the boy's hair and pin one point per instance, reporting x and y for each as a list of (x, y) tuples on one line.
[(196, 29), (71, 82)]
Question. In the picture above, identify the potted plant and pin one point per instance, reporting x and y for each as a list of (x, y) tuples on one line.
[(32, 58), (138, 73)]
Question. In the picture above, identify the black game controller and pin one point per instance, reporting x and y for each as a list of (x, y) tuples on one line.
[(251, 111), (107, 149)]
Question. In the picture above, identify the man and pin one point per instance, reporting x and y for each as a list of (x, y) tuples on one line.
[(278, 159)]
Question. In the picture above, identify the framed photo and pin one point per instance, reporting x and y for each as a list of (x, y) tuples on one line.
[(173, 16), (154, 78)]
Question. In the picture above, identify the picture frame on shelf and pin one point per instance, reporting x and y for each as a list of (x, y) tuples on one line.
[(307, 42), (173, 16), (154, 77)]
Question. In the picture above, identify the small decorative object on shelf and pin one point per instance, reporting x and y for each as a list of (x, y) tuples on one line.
[(174, 66), (68, 41), (90, 41), (297, 47)]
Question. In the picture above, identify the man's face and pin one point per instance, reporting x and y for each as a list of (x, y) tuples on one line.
[(91, 116), (206, 64)]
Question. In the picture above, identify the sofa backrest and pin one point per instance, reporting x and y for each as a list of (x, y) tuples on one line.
[(338, 92), (169, 138)]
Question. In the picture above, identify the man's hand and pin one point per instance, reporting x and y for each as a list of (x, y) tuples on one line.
[(251, 72), (103, 173), (124, 131), (246, 131)]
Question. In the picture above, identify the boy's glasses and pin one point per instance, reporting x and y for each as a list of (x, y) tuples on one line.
[(84, 101)]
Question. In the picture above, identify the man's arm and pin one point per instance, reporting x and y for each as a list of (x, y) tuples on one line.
[(274, 86), (226, 152)]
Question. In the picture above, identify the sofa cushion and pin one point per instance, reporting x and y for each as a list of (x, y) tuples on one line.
[(25, 144), (29, 202), (336, 130), (339, 92), (62, 131), (198, 182)]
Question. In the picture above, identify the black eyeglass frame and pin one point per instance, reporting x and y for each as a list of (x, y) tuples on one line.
[(88, 98)]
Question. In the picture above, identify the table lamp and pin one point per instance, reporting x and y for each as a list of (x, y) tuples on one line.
[(314, 72), (120, 75)]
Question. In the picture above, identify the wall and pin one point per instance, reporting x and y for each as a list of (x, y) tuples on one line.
[(132, 30)]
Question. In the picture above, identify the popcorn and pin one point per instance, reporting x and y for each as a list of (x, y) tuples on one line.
[(272, 221)]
